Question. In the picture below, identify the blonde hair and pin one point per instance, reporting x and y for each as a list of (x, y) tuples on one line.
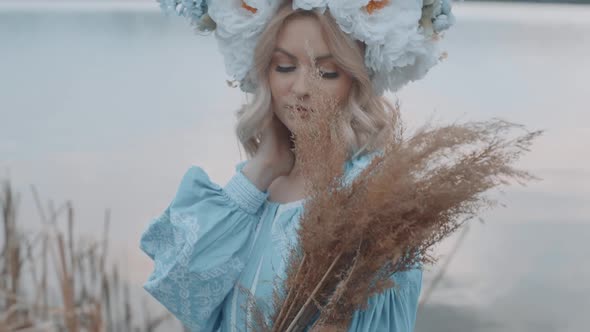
[(366, 127)]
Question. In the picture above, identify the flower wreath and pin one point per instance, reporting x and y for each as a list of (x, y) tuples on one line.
[(400, 35)]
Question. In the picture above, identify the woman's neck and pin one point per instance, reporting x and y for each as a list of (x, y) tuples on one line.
[(295, 173)]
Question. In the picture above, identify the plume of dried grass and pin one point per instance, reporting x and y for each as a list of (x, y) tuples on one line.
[(354, 236)]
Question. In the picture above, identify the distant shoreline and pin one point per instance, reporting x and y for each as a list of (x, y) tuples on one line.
[(69, 5), (151, 5), (580, 2)]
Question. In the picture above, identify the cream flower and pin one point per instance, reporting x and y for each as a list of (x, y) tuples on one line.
[(399, 49), (233, 20), (373, 28), (238, 30), (421, 57), (310, 4), (443, 17)]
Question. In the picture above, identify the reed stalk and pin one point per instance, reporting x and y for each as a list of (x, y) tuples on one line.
[(82, 274)]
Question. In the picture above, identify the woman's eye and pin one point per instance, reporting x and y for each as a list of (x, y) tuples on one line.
[(323, 74), (282, 69), (328, 75)]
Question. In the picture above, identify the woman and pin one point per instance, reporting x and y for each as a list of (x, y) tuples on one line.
[(212, 240)]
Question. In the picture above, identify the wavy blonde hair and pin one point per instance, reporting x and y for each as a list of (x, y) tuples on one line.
[(366, 127)]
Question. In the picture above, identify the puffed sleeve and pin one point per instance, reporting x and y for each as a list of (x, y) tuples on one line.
[(395, 309), (200, 244)]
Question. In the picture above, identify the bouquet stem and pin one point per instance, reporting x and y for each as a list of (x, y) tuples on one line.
[(295, 322), (282, 312)]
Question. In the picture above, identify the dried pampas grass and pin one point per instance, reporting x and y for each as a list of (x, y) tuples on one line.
[(354, 236)]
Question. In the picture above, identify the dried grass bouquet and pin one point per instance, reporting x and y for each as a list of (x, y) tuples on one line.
[(354, 236)]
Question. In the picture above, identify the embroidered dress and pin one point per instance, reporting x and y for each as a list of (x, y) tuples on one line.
[(210, 239)]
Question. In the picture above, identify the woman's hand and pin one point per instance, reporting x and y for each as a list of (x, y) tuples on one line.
[(273, 158)]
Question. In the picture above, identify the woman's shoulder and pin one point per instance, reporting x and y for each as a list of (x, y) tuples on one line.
[(356, 164), (240, 165)]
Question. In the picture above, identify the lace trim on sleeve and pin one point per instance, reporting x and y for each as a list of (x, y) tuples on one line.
[(244, 193)]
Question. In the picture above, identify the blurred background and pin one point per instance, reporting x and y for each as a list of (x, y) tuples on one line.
[(105, 105)]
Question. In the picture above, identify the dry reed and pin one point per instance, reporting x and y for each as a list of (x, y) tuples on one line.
[(354, 236), (80, 296)]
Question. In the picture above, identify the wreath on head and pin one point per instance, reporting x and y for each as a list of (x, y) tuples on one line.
[(400, 35)]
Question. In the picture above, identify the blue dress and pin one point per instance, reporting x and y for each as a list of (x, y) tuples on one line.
[(210, 239)]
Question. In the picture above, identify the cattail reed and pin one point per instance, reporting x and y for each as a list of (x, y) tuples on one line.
[(354, 236), (50, 282)]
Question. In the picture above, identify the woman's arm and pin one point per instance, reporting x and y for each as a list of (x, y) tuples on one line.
[(200, 245)]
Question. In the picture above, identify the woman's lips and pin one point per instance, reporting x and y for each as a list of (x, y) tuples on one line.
[(299, 108), (300, 111)]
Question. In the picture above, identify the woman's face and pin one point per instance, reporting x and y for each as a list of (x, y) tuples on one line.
[(299, 43)]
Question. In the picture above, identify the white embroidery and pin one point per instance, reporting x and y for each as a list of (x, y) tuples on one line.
[(190, 296)]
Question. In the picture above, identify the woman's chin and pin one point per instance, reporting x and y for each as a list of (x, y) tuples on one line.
[(296, 126)]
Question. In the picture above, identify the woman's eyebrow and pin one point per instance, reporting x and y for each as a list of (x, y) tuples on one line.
[(292, 57), (280, 50)]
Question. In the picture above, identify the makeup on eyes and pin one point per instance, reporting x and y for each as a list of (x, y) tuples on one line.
[(328, 71), (329, 75), (323, 74), (285, 59), (284, 69)]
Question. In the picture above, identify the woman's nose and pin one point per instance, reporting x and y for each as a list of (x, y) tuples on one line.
[(299, 87)]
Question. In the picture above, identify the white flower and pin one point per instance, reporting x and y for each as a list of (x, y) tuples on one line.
[(399, 49), (421, 56), (374, 27), (233, 20), (238, 30), (310, 4), (443, 16), (238, 54), (438, 14)]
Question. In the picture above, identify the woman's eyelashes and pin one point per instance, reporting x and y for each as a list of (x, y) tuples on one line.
[(328, 75), (323, 74), (285, 69)]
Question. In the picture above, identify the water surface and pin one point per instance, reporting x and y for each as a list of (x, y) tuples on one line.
[(109, 105)]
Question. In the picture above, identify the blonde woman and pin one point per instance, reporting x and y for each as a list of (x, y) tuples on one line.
[(212, 240)]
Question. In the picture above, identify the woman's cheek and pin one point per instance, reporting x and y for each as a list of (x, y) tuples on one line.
[(282, 87)]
